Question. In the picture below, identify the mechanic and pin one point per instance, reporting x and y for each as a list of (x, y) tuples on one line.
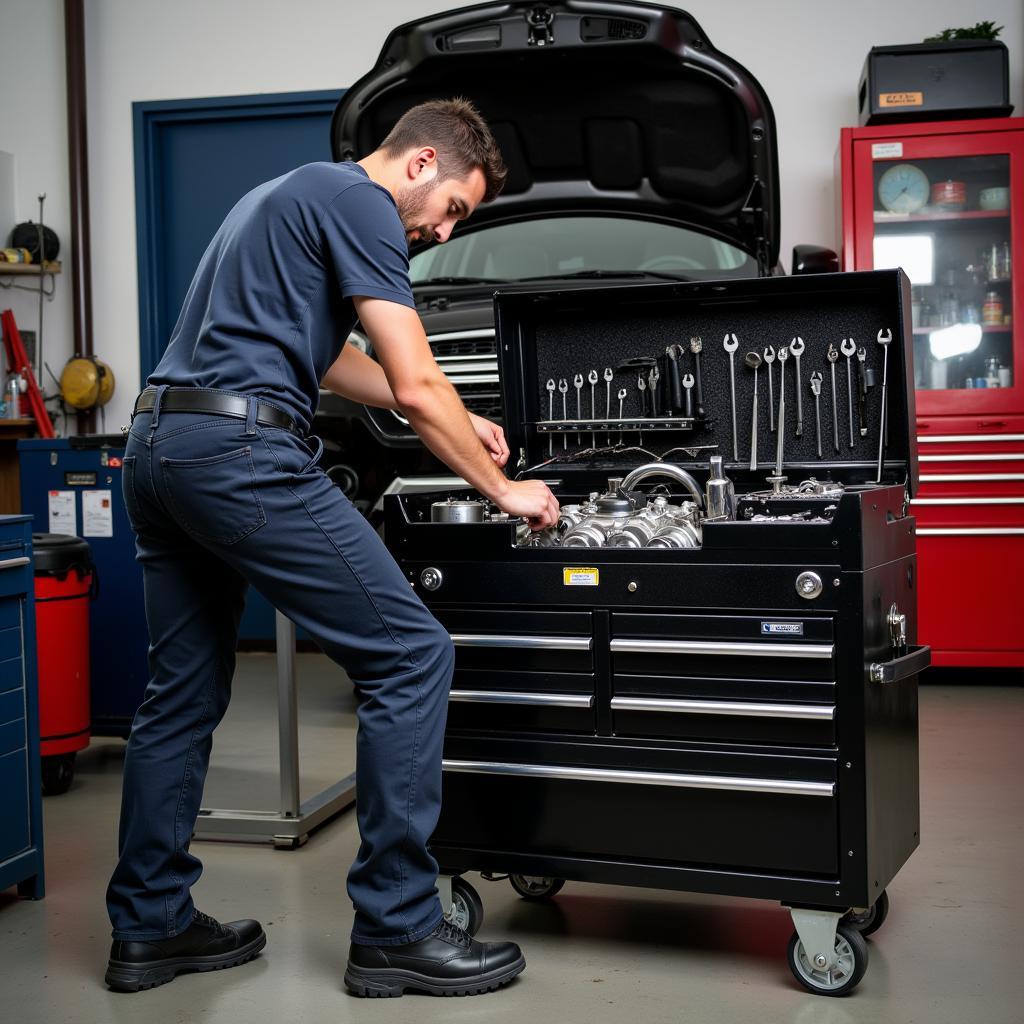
[(224, 489)]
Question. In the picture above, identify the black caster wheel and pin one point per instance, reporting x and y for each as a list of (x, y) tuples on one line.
[(872, 918), (536, 887), (467, 911), (58, 772), (851, 953)]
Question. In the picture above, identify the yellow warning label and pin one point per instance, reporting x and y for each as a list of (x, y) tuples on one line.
[(901, 99), (582, 577)]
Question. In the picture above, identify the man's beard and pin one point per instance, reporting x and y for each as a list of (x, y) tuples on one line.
[(411, 203)]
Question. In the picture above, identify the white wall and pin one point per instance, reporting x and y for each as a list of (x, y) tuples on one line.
[(806, 53), (33, 127)]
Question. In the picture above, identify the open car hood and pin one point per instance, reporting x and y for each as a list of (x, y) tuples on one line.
[(597, 106)]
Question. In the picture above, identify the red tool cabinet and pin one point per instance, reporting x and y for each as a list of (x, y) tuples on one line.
[(945, 201)]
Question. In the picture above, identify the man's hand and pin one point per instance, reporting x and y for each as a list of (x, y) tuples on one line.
[(492, 436), (531, 499)]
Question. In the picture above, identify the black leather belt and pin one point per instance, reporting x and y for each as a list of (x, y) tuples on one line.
[(216, 403)]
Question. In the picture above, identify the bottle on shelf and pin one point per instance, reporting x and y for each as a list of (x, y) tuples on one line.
[(992, 373), (992, 310)]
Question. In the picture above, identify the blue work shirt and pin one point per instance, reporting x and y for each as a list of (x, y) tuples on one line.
[(270, 306)]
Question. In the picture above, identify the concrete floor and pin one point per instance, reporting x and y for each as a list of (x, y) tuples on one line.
[(595, 954)]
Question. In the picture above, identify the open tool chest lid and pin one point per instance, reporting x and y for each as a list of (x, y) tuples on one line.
[(560, 335)]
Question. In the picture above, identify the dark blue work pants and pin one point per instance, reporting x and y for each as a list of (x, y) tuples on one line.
[(217, 504)]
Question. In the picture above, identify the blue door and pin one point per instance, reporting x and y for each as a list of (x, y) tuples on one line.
[(193, 160)]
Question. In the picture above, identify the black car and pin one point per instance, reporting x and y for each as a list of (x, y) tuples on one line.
[(636, 152)]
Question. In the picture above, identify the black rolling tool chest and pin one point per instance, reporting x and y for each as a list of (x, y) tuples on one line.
[(705, 678)]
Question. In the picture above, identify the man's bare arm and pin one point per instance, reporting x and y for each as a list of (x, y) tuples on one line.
[(356, 376), (425, 396)]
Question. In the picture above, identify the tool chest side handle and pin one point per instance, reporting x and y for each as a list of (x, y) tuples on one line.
[(917, 659)]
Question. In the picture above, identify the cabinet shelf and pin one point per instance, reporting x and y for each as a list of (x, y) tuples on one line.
[(986, 329), (29, 269), (918, 218)]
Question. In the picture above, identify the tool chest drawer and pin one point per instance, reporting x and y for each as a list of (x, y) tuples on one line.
[(487, 708), (722, 647), (628, 811), (15, 569), (503, 640)]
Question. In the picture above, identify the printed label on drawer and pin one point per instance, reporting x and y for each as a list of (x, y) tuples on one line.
[(901, 99), (786, 628), (582, 577), (886, 150)]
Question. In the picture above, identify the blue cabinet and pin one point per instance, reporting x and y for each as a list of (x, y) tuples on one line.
[(21, 818)]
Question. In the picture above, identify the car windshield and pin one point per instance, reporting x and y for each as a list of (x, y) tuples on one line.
[(577, 246)]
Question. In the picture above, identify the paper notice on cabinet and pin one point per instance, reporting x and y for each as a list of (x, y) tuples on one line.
[(62, 513), (97, 514)]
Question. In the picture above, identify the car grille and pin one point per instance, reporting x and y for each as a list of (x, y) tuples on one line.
[(469, 360)]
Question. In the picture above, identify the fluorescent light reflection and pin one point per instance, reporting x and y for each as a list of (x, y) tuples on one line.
[(958, 340), (914, 253)]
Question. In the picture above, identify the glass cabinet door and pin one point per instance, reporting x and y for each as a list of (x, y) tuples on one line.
[(947, 220)]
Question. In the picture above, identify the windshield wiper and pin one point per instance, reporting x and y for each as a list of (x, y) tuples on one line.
[(598, 274), (463, 280)]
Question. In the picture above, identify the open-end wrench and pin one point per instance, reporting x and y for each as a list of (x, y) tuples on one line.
[(796, 349), (551, 415), (577, 383), (687, 383), (641, 386), (769, 358), (592, 378), (622, 398), (848, 346), (783, 355), (563, 388), (730, 344), (862, 391), (753, 360), (695, 346), (816, 379), (833, 355), (652, 382), (609, 373), (884, 338)]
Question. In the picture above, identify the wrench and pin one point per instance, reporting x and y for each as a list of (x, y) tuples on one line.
[(884, 338), (622, 398), (652, 382), (695, 346), (816, 380), (783, 355), (551, 415), (609, 373), (753, 360), (769, 358), (687, 383), (592, 378), (796, 349), (577, 383), (862, 391), (563, 387), (730, 344), (833, 355), (847, 346), (641, 386)]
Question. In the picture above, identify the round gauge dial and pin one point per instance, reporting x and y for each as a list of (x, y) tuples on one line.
[(903, 188)]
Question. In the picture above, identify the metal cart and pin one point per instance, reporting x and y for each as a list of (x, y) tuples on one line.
[(683, 687)]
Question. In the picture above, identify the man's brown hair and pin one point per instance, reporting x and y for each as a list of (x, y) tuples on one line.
[(460, 136)]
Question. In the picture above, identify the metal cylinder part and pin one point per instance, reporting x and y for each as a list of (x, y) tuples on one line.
[(720, 501), (453, 511)]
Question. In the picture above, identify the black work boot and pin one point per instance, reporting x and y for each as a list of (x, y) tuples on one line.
[(447, 962), (205, 945)]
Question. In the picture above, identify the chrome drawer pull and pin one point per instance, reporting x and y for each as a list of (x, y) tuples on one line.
[(745, 650), (967, 501), (543, 643), (13, 563), (726, 782), (970, 531), (976, 457), (817, 712), (968, 438), (954, 478), (548, 700)]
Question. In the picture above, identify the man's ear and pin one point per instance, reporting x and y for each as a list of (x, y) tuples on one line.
[(422, 165)]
